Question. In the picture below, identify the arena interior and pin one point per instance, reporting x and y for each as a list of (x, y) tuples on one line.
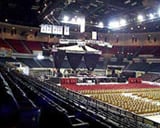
[(80, 64)]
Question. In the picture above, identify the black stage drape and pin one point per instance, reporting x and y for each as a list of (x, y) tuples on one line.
[(74, 59), (91, 60), (58, 58)]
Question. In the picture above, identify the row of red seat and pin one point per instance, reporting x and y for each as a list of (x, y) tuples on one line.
[(108, 86), (134, 80), (68, 81), (20, 46)]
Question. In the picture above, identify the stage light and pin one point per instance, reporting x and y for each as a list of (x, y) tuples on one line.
[(101, 25), (6, 20), (140, 18), (13, 28), (65, 18), (151, 16), (159, 12), (73, 21), (123, 22), (77, 21), (114, 25), (117, 24)]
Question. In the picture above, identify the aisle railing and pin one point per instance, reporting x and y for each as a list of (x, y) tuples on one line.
[(107, 112)]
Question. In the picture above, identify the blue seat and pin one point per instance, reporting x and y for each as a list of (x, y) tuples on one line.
[(8, 109)]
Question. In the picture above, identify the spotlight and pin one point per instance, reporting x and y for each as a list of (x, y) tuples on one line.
[(101, 25), (159, 12), (73, 21), (132, 28), (6, 20), (138, 26), (123, 22), (114, 25), (151, 16), (140, 18), (65, 18)]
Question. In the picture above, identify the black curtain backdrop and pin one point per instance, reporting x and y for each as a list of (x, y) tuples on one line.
[(74, 59), (58, 58), (91, 61)]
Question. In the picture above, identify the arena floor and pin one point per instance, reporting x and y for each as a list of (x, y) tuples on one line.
[(155, 118)]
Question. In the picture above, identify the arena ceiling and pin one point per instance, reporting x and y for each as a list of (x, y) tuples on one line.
[(36, 12)]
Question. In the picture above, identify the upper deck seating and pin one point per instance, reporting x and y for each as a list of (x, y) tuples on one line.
[(17, 45), (3, 44), (34, 45)]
